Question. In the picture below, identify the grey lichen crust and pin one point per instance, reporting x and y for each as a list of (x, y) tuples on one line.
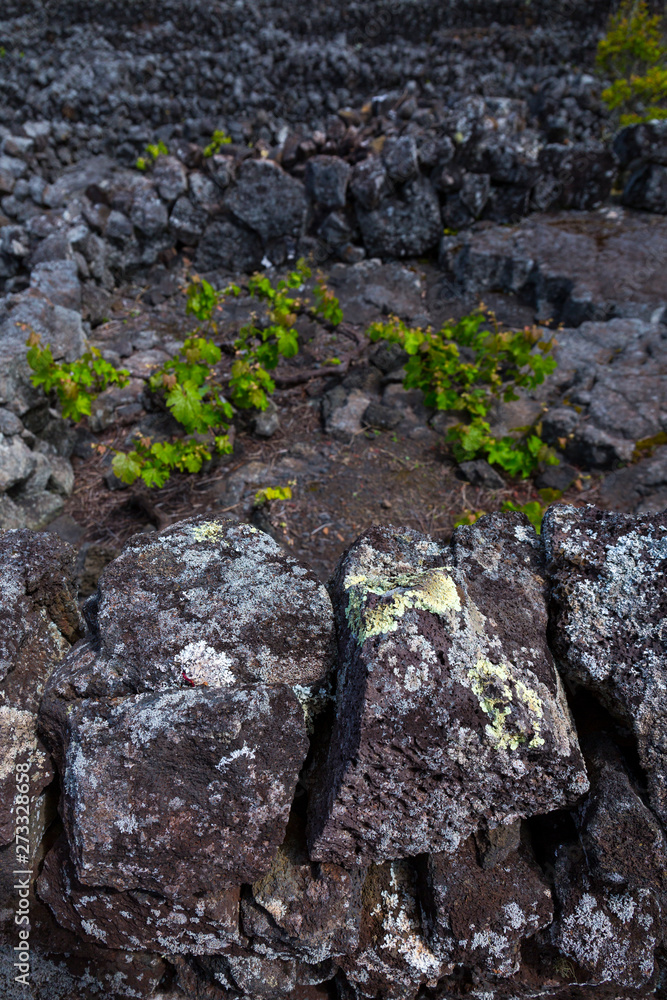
[(450, 713), (609, 620)]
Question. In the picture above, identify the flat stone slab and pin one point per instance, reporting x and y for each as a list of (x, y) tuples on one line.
[(450, 714), (573, 266)]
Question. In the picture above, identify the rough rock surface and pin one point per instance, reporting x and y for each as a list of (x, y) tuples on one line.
[(137, 920), (477, 917), (608, 608), (393, 958), (304, 909), (447, 695), (573, 266), (207, 654)]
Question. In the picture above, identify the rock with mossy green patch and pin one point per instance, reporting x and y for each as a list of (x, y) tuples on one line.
[(450, 714), (180, 725)]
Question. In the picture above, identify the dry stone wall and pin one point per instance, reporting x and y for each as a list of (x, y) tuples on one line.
[(443, 776)]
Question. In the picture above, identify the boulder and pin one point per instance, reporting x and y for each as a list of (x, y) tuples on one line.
[(406, 224), (450, 714), (208, 651), (608, 607), (202, 924), (268, 201), (647, 188), (326, 180), (226, 246)]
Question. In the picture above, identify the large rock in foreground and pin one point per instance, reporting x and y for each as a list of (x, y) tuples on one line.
[(450, 714), (609, 606), (208, 648)]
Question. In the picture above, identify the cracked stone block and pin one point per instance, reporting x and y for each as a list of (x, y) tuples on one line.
[(450, 713), (394, 958), (197, 785), (479, 918), (136, 920), (208, 655), (609, 605)]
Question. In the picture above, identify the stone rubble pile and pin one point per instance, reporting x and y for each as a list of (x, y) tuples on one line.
[(444, 777)]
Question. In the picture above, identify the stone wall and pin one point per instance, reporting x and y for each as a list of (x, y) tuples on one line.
[(444, 775)]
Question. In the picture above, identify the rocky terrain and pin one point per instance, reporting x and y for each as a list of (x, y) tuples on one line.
[(444, 776), (413, 760)]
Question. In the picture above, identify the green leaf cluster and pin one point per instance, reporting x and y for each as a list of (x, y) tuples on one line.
[(218, 140), (270, 493), (633, 54), (76, 384), (465, 367), (153, 149)]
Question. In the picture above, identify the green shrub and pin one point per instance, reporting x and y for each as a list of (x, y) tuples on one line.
[(466, 368), (154, 149), (76, 384), (633, 54), (218, 140)]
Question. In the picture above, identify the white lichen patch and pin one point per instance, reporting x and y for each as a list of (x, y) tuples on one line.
[(433, 590), (499, 692), (204, 665)]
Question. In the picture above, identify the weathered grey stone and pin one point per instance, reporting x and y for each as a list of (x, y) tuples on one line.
[(479, 918), (480, 473), (234, 608), (572, 266), (609, 605), (399, 155), (369, 183), (148, 213), (229, 247), (39, 509), (268, 200), (16, 462), (187, 221), (647, 141), (170, 177), (343, 412), (58, 282), (197, 783), (447, 695), (407, 224), (209, 648), (639, 487), (326, 180)]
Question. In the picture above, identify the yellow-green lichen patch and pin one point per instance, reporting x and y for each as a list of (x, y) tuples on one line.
[(434, 591), (496, 690), (208, 531)]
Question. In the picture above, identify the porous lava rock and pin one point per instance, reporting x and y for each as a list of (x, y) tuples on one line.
[(479, 917), (137, 920), (450, 714), (609, 884), (608, 611), (207, 650)]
